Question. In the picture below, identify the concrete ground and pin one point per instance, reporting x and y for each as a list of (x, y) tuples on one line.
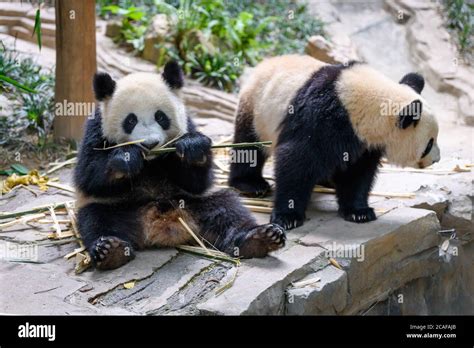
[(329, 266)]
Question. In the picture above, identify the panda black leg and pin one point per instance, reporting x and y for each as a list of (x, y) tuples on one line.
[(296, 176), (247, 163), (108, 234), (353, 186), (230, 227)]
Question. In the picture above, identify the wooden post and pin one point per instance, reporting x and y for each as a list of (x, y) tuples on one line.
[(75, 66)]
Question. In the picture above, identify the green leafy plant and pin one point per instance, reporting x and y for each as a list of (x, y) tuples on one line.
[(134, 24), (215, 39), (460, 15), (33, 98), (37, 27)]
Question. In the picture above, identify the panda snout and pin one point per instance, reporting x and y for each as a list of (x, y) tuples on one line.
[(150, 144)]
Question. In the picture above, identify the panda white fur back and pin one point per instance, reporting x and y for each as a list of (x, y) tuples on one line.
[(127, 202), (272, 86), (329, 123)]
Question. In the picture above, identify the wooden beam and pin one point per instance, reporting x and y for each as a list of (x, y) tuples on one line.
[(75, 66)]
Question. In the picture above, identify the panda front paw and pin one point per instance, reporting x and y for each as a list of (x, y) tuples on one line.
[(358, 215), (124, 162), (111, 252), (194, 148), (288, 220)]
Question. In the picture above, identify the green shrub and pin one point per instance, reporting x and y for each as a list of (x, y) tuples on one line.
[(215, 39), (32, 112), (460, 15)]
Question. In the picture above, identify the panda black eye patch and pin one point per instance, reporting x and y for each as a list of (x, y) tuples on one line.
[(162, 119), (129, 123), (428, 148)]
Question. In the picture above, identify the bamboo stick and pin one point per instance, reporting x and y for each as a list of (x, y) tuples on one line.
[(321, 189), (213, 254), (120, 145), (73, 253), (221, 146), (39, 209), (455, 170), (188, 229), (61, 186), (23, 220), (257, 209), (56, 223), (60, 165)]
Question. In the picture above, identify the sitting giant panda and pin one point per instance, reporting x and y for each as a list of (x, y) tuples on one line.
[(126, 202), (329, 123)]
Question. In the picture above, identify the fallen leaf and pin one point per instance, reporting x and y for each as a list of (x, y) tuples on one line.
[(129, 285), (335, 263)]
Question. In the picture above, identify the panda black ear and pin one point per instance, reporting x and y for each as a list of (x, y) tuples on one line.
[(173, 75), (104, 86), (415, 81), (410, 114)]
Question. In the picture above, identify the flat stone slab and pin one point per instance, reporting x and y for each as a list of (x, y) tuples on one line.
[(376, 257), (30, 289), (322, 292), (259, 287)]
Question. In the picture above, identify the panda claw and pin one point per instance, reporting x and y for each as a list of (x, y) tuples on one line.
[(359, 215), (288, 220)]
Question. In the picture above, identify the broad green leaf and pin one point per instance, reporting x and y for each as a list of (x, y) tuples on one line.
[(37, 28), (16, 84), (7, 172), (20, 169)]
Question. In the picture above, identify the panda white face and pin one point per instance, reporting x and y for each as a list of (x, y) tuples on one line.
[(391, 115), (414, 141), (141, 106)]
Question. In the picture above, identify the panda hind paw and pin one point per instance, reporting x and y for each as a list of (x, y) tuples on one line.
[(262, 240), (111, 252)]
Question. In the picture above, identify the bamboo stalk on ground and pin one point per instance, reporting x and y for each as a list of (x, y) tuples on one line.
[(55, 222), (22, 220), (61, 165), (39, 209), (455, 170), (61, 187), (321, 189), (213, 254)]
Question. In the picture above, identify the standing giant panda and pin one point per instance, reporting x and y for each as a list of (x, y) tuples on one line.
[(126, 202), (329, 123)]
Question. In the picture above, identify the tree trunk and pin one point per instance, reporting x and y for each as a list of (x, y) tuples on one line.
[(75, 66)]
